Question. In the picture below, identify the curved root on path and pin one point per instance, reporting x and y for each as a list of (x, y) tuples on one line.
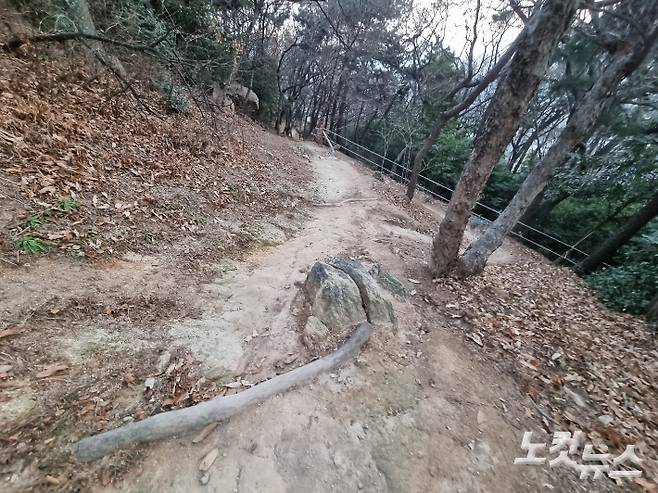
[(343, 202), (185, 420)]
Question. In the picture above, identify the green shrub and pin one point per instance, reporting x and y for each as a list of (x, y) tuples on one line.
[(176, 97), (68, 204), (31, 246), (632, 284)]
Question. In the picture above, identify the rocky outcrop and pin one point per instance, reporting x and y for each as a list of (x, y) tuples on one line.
[(378, 309), (389, 282), (340, 294), (334, 297), (244, 98)]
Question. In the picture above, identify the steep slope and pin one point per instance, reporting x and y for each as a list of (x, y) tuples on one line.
[(176, 254)]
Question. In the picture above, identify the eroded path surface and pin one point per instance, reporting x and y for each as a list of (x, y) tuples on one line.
[(418, 410)]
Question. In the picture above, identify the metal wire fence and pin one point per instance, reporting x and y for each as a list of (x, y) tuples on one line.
[(442, 192)]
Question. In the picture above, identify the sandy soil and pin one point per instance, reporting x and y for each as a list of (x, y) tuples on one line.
[(419, 410)]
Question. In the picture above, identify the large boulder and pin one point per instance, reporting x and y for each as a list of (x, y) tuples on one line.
[(243, 97), (378, 309), (335, 299)]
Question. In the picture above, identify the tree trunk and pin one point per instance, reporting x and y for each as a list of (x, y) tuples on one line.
[(544, 208), (397, 168), (355, 135), (232, 75), (455, 111), (610, 246), (80, 14), (652, 312), (422, 154), (499, 124), (580, 125), (532, 211)]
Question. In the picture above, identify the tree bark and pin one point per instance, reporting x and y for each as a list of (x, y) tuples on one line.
[(455, 111), (544, 208), (399, 165), (499, 124), (652, 312), (84, 23), (610, 246), (533, 209), (580, 125)]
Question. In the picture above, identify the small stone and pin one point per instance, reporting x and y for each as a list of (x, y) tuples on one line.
[(149, 383), (163, 361), (52, 480), (205, 478), (5, 368), (605, 419)]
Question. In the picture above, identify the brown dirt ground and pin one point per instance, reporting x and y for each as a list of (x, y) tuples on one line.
[(423, 408)]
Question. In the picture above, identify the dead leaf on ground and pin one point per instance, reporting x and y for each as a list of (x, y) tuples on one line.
[(105, 477), (51, 370), (476, 339), (52, 480), (203, 434), (208, 460), (647, 485), (12, 331)]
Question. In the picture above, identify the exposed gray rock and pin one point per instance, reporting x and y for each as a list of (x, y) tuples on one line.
[(378, 309), (315, 332), (243, 97), (16, 405), (389, 282), (266, 234), (163, 361), (334, 297)]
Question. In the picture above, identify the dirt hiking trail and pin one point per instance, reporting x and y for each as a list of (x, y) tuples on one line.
[(425, 407), (416, 412), (173, 274)]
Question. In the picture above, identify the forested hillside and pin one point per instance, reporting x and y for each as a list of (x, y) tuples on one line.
[(327, 245), (411, 83)]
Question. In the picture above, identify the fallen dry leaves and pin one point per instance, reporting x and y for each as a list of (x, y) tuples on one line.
[(586, 367), (132, 179), (583, 366), (203, 434), (86, 172), (208, 460)]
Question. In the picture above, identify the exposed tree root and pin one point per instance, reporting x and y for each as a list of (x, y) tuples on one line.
[(185, 420), (342, 202)]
